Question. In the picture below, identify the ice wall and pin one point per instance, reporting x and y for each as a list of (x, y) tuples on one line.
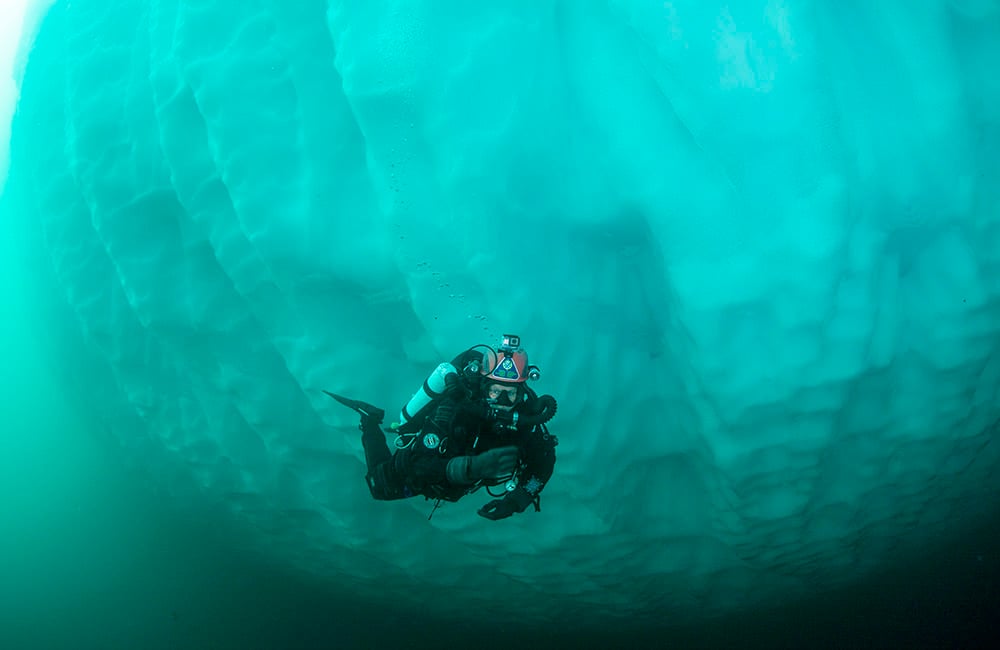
[(753, 245)]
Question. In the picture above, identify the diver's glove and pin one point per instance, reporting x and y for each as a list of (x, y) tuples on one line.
[(493, 464), (516, 500)]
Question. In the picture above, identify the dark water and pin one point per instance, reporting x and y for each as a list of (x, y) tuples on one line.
[(92, 558)]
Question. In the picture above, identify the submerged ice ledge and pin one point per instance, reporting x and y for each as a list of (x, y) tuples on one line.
[(755, 256)]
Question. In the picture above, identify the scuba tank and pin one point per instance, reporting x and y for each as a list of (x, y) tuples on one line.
[(445, 377), (414, 411)]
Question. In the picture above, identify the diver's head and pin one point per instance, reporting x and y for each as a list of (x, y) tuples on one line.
[(506, 373)]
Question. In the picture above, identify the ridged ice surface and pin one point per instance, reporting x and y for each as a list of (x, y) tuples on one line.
[(755, 247)]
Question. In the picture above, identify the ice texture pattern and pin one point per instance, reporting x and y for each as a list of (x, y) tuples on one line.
[(753, 245)]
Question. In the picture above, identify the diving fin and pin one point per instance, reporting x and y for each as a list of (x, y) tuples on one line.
[(366, 410)]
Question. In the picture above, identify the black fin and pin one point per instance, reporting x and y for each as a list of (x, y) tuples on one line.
[(366, 410)]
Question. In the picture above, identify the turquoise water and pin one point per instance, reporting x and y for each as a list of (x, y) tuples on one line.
[(784, 277), (91, 556)]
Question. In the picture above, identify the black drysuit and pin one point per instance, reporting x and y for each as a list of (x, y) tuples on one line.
[(454, 428)]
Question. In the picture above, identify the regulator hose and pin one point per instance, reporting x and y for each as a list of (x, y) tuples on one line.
[(545, 410)]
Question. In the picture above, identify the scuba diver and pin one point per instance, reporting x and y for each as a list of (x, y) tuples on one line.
[(474, 423)]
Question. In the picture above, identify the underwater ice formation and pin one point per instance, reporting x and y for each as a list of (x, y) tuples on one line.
[(754, 246)]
